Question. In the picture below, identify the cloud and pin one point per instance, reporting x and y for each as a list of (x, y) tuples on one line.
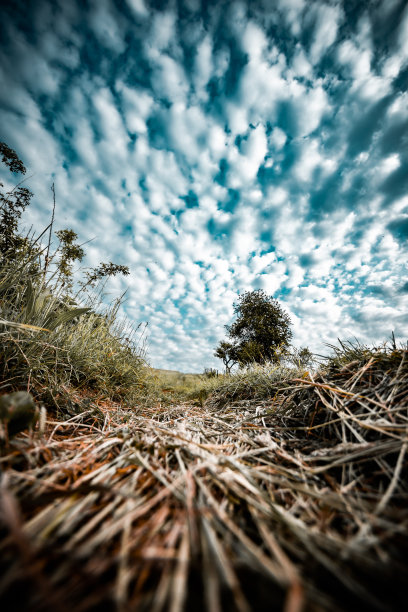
[(245, 163), (103, 20), (138, 7), (221, 150), (327, 19)]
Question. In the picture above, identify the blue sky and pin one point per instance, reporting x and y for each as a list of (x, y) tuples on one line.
[(218, 147)]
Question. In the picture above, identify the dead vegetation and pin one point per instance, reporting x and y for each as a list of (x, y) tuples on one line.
[(296, 501)]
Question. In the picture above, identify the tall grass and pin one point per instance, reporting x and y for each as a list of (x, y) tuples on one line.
[(50, 341)]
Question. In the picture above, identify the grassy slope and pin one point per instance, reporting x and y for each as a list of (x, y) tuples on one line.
[(172, 386), (282, 491)]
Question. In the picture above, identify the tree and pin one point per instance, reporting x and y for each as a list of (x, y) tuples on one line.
[(12, 204), (260, 333), (302, 357), (226, 352)]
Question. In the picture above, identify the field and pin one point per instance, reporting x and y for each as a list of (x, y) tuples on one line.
[(279, 489)]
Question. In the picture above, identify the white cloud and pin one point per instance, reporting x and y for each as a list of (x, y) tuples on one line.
[(327, 20), (187, 128), (261, 87), (162, 31), (389, 164), (277, 138), (245, 164), (300, 64), (357, 61), (292, 11), (311, 105), (203, 66), (189, 264), (169, 80), (403, 36), (254, 42), (103, 19), (138, 7), (137, 106), (310, 159)]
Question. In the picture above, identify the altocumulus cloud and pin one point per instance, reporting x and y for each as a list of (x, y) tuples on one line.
[(217, 147)]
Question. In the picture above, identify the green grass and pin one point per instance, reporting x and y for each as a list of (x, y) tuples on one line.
[(172, 386), (253, 383), (49, 340)]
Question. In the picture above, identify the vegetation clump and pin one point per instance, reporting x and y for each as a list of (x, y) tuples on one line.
[(261, 332), (52, 339)]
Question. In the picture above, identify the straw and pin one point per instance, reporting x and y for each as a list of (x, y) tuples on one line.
[(294, 501)]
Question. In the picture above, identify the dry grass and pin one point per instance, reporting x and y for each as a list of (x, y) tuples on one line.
[(295, 501)]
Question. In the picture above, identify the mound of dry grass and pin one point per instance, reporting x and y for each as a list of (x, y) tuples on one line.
[(294, 501)]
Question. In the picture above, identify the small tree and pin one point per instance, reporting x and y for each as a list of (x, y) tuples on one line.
[(302, 357), (260, 333), (227, 353)]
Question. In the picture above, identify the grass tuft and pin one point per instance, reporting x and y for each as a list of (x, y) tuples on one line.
[(253, 383), (49, 340)]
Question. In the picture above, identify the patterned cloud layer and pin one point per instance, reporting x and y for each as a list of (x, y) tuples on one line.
[(216, 147)]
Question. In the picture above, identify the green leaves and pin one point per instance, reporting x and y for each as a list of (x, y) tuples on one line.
[(45, 309), (11, 159), (105, 270), (22, 326), (260, 333), (69, 253), (54, 321)]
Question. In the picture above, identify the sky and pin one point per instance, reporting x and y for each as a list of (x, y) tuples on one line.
[(217, 147)]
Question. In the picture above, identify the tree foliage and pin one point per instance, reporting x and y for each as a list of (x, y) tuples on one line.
[(260, 333), (69, 252), (105, 270), (11, 159), (226, 352), (12, 204)]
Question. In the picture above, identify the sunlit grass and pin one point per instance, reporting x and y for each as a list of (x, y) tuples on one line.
[(49, 340)]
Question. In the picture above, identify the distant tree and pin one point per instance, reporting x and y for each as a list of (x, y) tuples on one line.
[(260, 333), (210, 373), (227, 353), (302, 357)]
